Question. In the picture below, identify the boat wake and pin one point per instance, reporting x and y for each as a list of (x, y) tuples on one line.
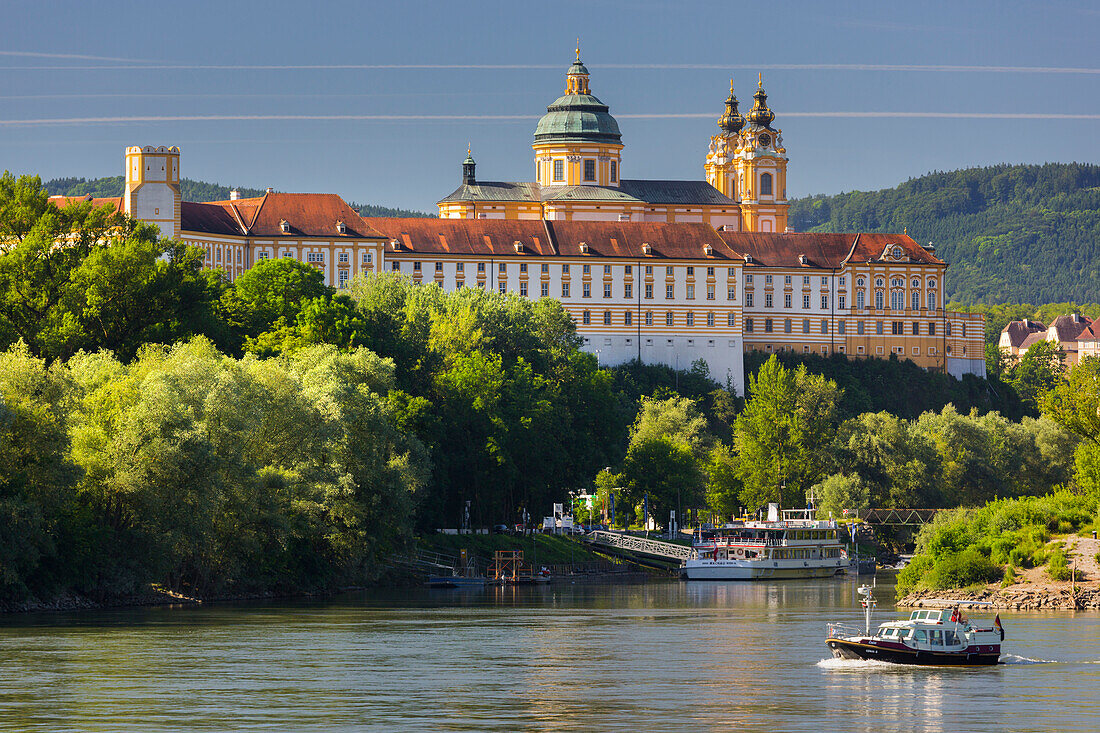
[(858, 665), (1017, 659)]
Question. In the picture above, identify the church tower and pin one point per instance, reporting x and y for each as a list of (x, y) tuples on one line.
[(152, 192), (761, 163), (577, 141), (721, 167)]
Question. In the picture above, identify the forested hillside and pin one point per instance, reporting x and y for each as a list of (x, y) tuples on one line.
[(192, 191), (1010, 233)]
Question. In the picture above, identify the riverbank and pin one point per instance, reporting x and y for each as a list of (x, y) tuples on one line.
[(1014, 598)]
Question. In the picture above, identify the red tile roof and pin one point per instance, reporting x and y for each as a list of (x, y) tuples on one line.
[(628, 240), (63, 201), (1019, 330), (1033, 339), (824, 250), (466, 236), (308, 215), (1068, 328)]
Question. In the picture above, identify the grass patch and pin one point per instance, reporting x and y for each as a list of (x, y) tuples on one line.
[(1057, 566)]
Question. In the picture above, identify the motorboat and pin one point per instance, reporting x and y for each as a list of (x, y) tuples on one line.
[(931, 637)]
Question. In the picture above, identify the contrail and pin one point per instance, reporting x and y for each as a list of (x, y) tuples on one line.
[(941, 68), (82, 57), (42, 121)]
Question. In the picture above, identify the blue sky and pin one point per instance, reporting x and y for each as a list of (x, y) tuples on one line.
[(377, 101)]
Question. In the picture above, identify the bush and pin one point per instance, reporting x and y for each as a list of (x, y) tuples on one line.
[(959, 570), (912, 574), (1009, 577), (1057, 567)]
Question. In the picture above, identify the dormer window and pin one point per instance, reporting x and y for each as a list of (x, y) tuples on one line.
[(748, 258), (708, 250), (647, 248), (341, 227), (584, 248), (897, 253), (284, 225), (518, 245), (802, 259), (396, 244)]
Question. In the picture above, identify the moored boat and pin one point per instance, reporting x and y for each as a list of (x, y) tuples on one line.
[(795, 546), (931, 637)]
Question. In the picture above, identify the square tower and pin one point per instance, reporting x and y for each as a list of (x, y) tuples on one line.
[(153, 187)]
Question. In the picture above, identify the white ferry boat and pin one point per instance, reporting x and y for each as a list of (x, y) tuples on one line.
[(927, 637), (795, 546)]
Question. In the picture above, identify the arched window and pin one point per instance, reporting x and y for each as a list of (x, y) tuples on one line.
[(897, 300), (765, 184), (878, 300), (859, 282), (859, 299), (931, 301), (896, 282), (879, 282), (915, 283), (916, 300), (931, 282)]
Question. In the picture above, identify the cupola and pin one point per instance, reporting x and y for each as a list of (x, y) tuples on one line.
[(468, 166), (760, 115), (732, 121)]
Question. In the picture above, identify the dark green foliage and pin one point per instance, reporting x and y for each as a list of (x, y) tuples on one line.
[(190, 190), (1011, 233), (899, 386)]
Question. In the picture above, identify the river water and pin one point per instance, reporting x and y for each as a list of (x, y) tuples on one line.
[(658, 656)]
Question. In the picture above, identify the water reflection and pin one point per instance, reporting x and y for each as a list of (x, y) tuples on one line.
[(662, 655)]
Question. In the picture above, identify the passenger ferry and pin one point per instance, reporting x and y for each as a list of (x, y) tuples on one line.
[(795, 546), (926, 638)]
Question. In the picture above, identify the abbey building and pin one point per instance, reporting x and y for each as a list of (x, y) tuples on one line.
[(669, 272)]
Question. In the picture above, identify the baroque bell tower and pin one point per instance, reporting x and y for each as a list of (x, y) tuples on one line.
[(761, 162), (721, 165)]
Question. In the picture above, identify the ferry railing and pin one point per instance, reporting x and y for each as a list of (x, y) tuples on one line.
[(841, 631)]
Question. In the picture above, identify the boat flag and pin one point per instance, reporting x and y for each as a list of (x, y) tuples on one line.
[(997, 625)]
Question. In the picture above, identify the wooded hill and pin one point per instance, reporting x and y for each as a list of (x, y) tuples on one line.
[(1010, 233), (192, 191)]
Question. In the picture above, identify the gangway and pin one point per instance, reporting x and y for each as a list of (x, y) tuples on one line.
[(640, 545)]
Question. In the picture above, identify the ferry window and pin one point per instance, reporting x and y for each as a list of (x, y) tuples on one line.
[(937, 637), (921, 636), (950, 639), (903, 633)]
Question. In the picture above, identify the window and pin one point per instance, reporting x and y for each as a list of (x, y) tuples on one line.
[(607, 269), (897, 328), (315, 257), (614, 171), (481, 267), (840, 327), (710, 292), (649, 269), (787, 280), (586, 290), (931, 301), (897, 300), (559, 170), (878, 328), (842, 302), (628, 269), (564, 269), (787, 326), (565, 290), (586, 317), (502, 286), (502, 268), (767, 325), (824, 302), (748, 324), (691, 292), (628, 318), (710, 319), (439, 267), (396, 266), (843, 281), (748, 300), (649, 290), (768, 300), (544, 290), (860, 328), (587, 269), (460, 267), (589, 170), (668, 318), (628, 290), (649, 318), (287, 254), (458, 285), (730, 320), (916, 328), (670, 292), (545, 269), (766, 184), (343, 278), (948, 329), (748, 278), (416, 267), (896, 282), (824, 281), (710, 272), (607, 318), (691, 319), (824, 327), (805, 325), (344, 257), (767, 279), (731, 293), (366, 257), (523, 289), (523, 267), (607, 290), (878, 300), (859, 300), (879, 282)]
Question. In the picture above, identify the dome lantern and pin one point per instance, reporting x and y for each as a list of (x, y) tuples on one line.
[(760, 115), (732, 121)]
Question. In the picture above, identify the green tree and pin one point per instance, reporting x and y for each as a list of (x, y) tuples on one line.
[(842, 496), (723, 487), (1039, 370), (665, 471)]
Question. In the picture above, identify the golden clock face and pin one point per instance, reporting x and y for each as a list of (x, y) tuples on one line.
[(765, 140)]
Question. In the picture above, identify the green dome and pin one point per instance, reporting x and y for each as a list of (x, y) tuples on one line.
[(577, 118)]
